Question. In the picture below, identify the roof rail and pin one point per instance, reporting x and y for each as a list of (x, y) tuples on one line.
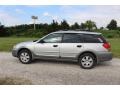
[(84, 30), (76, 30), (63, 30)]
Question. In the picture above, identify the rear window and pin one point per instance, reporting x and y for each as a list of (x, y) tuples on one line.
[(93, 38)]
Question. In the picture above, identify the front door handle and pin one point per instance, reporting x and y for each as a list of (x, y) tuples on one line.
[(55, 45), (79, 46)]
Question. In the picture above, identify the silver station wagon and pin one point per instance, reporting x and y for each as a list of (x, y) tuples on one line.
[(87, 48)]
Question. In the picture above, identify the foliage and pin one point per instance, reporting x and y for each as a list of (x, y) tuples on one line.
[(75, 26), (83, 26), (42, 29), (3, 31), (112, 25), (27, 30), (64, 25), (90, 25), (109, 33)]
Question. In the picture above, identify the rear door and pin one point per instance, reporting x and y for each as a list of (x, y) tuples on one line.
[(71, 46)]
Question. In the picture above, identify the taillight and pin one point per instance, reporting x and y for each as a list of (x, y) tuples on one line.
[(107, 46)]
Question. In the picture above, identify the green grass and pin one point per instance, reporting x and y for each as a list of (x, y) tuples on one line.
[(7, 43), (115, 46)]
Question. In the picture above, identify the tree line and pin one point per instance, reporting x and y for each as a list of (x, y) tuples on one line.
[(44, 28)]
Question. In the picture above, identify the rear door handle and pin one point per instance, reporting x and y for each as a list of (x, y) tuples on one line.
[(55, 45), (79, 46)]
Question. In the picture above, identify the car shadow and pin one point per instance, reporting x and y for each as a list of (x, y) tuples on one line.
[(104, 64), (55, 62), (101, 64)]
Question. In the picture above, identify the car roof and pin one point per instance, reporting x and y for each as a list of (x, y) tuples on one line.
[(71, 31)]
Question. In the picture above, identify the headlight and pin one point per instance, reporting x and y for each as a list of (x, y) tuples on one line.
[(14, 47)]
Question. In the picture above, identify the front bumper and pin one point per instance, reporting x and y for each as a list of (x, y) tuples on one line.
[(104, 56), (14, 53)]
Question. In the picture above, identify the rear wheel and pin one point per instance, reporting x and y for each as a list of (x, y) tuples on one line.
[(25, 56), (87, 61)]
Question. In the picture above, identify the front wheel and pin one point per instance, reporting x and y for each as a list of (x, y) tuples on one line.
[(25, 56), (87, 61)]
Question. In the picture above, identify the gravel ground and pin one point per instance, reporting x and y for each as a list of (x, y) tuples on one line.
[(56, 72)]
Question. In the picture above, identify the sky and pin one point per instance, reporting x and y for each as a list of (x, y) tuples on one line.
[(11, 15)]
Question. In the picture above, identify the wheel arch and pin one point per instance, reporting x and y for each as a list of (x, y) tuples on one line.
[(91, 52), (23, 49)]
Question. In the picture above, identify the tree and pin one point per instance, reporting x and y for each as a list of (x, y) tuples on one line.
[(64, 25), (53, 26), (112, 25), (82, 26), (90, 25), (3, 31), (101, 28), (75, 26)]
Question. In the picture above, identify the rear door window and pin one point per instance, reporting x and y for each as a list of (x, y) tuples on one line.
[(72, 38)]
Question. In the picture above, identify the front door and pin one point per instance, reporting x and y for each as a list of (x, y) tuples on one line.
[(49, 46)]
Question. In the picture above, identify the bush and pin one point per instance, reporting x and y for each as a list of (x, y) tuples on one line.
[(41, 32), (110, 33), (34, 33), (109, 36)]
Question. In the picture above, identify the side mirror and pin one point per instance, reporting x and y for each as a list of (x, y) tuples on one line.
[(34, 40), (41, 41)]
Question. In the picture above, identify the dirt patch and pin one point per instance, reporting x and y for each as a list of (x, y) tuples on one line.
[(14, 81)]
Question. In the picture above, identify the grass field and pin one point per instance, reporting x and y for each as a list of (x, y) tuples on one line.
[(6, 44), (115, 46)]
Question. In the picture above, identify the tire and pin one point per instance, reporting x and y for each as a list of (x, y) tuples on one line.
[(25, 56), (87, 61)]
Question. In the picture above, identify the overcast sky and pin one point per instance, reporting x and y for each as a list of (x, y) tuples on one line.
[(15, 15)]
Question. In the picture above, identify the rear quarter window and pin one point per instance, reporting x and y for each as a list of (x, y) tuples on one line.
[(93, 38)]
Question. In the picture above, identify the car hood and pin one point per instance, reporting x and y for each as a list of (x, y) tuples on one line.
[(25, 43)]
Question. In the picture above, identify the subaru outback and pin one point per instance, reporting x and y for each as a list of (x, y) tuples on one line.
[(87, 48)]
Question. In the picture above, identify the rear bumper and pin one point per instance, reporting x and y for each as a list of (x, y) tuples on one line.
[(104, 56)]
